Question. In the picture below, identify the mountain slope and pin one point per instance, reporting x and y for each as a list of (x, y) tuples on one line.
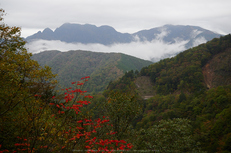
[(194, 85), (205, 66), (73, 33), (106, 35), (101, 67), (217, 71), (174, 33)]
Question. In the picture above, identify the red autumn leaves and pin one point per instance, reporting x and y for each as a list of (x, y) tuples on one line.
[(81, 130)]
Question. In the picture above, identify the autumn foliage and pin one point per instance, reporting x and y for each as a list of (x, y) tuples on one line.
[(66, 127), (34, 117)]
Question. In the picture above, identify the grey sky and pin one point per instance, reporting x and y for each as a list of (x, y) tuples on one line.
[(124, 15)]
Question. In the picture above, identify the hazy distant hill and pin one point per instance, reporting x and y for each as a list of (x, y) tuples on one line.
[(101, 67), (76, 33), (174, 33), (85, 34)]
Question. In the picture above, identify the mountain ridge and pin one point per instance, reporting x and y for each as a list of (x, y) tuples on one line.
[(194, 70), (107, 35), (195, 84), (101, 67)]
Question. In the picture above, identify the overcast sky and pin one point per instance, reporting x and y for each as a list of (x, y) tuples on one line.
[(124, 15)]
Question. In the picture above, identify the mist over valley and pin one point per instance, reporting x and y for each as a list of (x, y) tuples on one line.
[(153, 44)]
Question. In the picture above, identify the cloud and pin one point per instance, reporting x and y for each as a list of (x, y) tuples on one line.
[(199, 41), (195, 33), (155, 49), (125, 16), (163, 33)]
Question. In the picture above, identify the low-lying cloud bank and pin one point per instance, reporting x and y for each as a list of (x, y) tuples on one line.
[(144, 50), (148, 50)]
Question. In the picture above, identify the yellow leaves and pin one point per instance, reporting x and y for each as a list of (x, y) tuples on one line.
[(20, 80), (59, 133), (41, 138), (54, 82), (53, 130)]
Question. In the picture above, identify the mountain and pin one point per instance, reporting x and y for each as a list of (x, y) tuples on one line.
[(197, 69), (101, 67), (174, 33), (193, 85), (106, 35), (73, 33)]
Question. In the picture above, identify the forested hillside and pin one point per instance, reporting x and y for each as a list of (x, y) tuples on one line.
[(34, 117), (180, 104), (195, 85), (102, 67), (184, 72)]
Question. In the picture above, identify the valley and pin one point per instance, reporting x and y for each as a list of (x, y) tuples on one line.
[(62, 101)]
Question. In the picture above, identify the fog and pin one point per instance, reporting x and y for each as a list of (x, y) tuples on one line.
[(144, 50), (124, 15), (148, 50)]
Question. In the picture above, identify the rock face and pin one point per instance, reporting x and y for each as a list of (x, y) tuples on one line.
[(217, 71)]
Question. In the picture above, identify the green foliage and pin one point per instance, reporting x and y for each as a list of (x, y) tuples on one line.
[(214, 108), (35, 118), (182, 97), (124, 84), (187, 67), (181, 83), (102, 67), (22, 81), (171, 136), (21, 77), (181, 91), (127, 63), (207, 111), (122, 108)]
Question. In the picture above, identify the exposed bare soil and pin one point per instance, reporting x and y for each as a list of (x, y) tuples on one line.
[(218, 70), (145, 87)]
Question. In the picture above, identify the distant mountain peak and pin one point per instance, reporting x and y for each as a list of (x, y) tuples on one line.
[(188, 35), (47, 30), (67, 23), (107, 35)]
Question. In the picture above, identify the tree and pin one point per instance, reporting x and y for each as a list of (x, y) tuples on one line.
[(182, 97), (21, 80), (21, 77), (33, 117), (171, 136), (122, 108)]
